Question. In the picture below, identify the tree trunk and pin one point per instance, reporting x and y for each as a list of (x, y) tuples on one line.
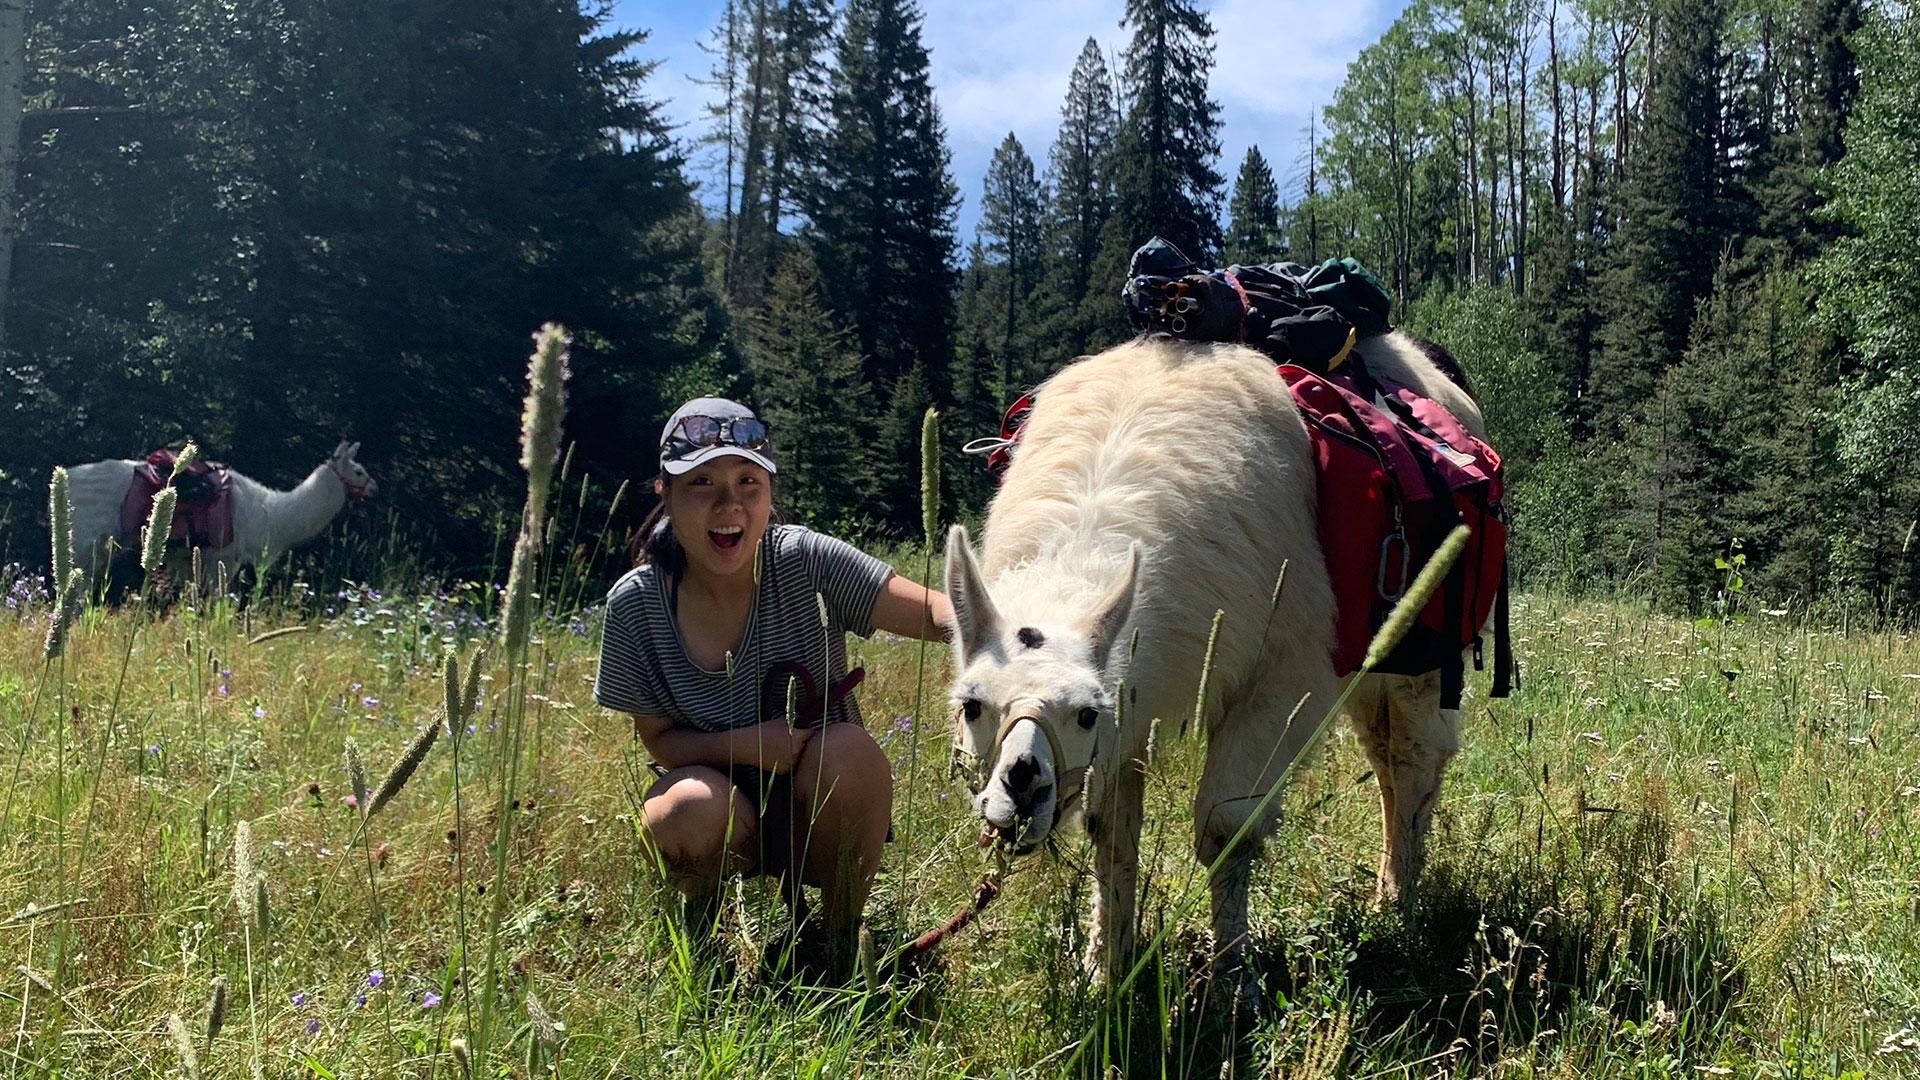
[(1553, 61)]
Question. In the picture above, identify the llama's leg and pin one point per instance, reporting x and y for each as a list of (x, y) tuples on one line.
[(1372, 724), (1116, 871), (1423, 738), (1247, 752)]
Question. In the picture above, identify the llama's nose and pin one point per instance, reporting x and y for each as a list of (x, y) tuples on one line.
[(1026, 784)]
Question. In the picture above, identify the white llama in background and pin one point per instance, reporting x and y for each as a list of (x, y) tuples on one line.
[(266, 523), (1157, 483)]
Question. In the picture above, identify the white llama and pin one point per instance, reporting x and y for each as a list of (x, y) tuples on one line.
[(266, 523), (1156, 483)]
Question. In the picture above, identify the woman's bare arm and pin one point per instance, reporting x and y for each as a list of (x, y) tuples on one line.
[(912, 610), (770, 746)]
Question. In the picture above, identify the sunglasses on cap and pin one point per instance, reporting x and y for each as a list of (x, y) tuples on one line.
[(746, 432)]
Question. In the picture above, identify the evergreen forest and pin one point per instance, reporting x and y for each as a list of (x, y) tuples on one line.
[(1676, 244)]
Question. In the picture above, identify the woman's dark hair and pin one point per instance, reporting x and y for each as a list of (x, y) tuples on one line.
[(654, 544)]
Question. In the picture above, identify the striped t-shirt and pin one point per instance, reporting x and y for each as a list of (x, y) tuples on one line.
[(644, 668)]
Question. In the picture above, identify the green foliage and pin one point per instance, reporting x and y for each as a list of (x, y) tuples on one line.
[(1253, 229), (1870, 298), (809, 387), (1664, 257), (1079, 184), (1013, 243), (1162, 169), (267, 226), (882, 231)]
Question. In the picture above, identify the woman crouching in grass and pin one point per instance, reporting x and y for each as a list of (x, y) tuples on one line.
[(725, 620)]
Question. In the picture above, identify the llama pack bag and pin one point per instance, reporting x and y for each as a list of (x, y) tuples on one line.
[(1396, 473)]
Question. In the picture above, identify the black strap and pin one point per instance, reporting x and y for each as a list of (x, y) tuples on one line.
[(1453, 666), (1506, 674)]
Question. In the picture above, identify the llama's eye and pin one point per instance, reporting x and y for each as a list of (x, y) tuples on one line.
[(1087, 718), (971, 710)]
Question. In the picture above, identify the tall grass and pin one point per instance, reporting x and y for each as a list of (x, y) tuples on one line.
[(1640, 867)]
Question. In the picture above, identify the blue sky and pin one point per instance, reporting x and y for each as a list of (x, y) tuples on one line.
[(1002, 65)]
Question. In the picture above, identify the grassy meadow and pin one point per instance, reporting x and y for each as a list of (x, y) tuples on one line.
[(1680, 850)]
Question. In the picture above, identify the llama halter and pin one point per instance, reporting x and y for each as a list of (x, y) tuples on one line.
[(978, 768), (355, 492)]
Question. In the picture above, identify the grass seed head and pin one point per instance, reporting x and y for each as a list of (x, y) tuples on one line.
[(60, 513), (356, 775), (868, 953), (459, 1047), (546, 404), (518, 613), (930, 475), (153, 539), (470, 697), (262, 908), (243, 872), (546, 1030), (403, 769), (1404, 613), (216, 1008), (183, 1046), (66, 604), (452, 688), (185, 459), (1206, 675)]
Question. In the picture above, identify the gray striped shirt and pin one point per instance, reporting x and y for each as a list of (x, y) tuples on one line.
[(644, 668)]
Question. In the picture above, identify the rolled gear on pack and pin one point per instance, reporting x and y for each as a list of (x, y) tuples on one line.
[(1310, 317)]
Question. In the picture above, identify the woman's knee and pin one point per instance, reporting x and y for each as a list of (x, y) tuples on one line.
[(695, 813), (843, 767)]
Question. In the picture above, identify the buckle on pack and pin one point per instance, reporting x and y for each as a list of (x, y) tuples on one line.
[(1397, 536)]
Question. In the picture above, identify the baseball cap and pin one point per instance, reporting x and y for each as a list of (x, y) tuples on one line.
[(680, 454)]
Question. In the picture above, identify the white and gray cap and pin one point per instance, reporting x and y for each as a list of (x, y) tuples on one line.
[(720, 428)]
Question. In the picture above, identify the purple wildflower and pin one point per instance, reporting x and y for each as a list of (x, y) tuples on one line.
[(376, 977), (299, 1000), (313, 1027), (430, 1000)]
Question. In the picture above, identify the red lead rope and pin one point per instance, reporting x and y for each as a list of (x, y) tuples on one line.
[(983, 894)]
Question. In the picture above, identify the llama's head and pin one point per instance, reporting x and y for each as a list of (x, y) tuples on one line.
[(1033, 712), (352, 475)]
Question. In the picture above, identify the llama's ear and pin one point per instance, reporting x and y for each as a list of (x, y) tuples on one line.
[(340, 452), (976, 621), (1104, 623), (353, 451)]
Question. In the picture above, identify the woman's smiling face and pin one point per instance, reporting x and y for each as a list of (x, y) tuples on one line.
[(720, 513)]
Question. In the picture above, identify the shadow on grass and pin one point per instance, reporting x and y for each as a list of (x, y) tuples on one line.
[(1506, 950)]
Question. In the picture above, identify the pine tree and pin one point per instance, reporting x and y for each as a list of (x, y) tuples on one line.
[(785, 102), (723, 135), (1012, 240), (882, 220), (1164, 181), (809, 387), (975, 380), (1664, 256), (1253, 234), (1081, 201)]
